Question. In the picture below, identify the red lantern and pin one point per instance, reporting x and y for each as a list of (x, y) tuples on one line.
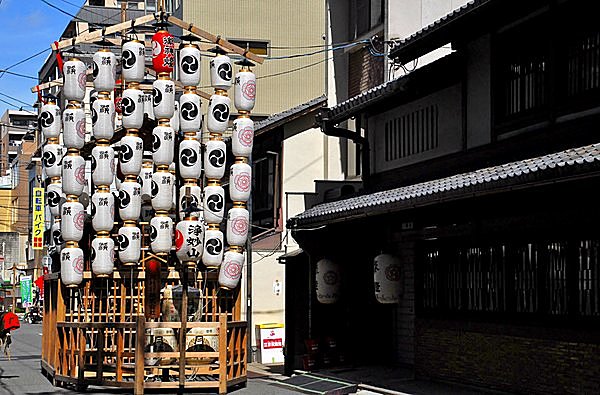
[(163, 54)]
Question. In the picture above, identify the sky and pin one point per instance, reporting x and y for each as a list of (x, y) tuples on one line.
[(28, 26)]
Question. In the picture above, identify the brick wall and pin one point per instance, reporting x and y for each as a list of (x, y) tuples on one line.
[(522, 359)]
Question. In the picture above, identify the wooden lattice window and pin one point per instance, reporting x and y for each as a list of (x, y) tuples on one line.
[(431, 286), (411, 133), (556, 278), (526, 282), (588, 277)]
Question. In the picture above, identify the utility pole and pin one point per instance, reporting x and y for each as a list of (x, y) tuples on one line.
[(14, 288)]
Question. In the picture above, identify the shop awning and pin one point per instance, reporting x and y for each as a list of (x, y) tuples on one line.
[(552, 168)]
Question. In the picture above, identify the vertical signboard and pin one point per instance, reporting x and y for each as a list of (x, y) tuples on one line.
[(37, 235), (26, 290)]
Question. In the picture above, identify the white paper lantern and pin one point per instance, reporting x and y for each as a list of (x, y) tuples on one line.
[(131, 155), (214, 204), (71, 265), (103, 117), (146, 176), (245, 90), (148, 107), (242, 137), (218, 113), (51, 158), (190, 164), (72, 221), (103, 164), (328, 281), (214, 159), (57, 239), (163, 144), (221, 72), (213, 247), (74, 79), (195, 199), (103, 256), (50, 120), (74, 127), (174, 121), (132, 61), (128, 244), (132, 108), (388, 278), (189, 240), (163, 98), (240, 181), (130, 199), (161, 231), (73, 174), (230, 271), (189, 65), (238, 219), (104, 70), (103, 210), (55, 197), (190, 116), (162, 190)]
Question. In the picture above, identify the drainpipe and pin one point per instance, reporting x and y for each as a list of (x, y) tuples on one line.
[(330, 129)]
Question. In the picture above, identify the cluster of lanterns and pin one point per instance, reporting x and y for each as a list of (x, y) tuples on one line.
[(387, 279), (194, 230)]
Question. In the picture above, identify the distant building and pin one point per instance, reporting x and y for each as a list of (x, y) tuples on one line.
[(15, 126)]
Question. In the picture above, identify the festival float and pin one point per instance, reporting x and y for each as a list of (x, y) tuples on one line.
[(147, 295)]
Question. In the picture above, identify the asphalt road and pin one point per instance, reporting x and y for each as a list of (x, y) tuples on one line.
[(22, 375)]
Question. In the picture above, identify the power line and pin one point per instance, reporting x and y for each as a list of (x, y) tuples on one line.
[(19, 75), (23, 61), (63, 11), (15, 99)]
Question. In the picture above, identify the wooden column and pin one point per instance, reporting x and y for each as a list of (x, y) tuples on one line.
[(139, 355)]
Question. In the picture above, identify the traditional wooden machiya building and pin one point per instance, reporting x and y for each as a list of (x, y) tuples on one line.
[(483, 166)]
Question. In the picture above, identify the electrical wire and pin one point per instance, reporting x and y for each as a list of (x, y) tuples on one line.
[(23, 61), (19, 75), (63, 11), (15, 99)]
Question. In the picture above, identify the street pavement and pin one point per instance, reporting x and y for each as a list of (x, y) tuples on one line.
[(22, 375)]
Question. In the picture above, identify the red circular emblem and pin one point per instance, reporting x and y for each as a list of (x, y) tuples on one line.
[(80, 174), (178, 239), (80, 127), (81, 79), (232, 269), (78, 265), (239, 226), (79, 220), (392, 273), (246, 136), (249, 89), (242, 182)]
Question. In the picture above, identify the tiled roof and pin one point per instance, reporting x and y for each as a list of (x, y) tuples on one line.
[(292, 113), (454, 187)]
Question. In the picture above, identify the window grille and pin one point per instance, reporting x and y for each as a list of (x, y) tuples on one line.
[(588, 278), (411, 133)]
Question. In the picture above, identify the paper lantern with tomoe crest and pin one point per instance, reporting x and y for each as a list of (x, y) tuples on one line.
[(74, 79), (388, 278), (132, 107), (50, 120), (214, 203), (190, 115), (328, 281), (163, 98), (214, 159), (161, 231), (102, 255), (163, 144), (189, 65), (218, 113), (130, 199), (54, 194), (221, 72), (194, 199), (131, 155), (230, 271), (132, 61), (190, 164), (128, 243), (71, 265), (162, 190), (213, 246), (57, 239), (51, 157)]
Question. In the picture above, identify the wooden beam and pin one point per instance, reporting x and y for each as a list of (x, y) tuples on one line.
[(215, 39), (93, 36)]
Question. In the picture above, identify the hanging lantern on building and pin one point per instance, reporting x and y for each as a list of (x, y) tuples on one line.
[(240, 180), (193, 200), (51, 158), (218, 112), (161, 231), (190, 165), (103, 255), (128, 243), (189, 61), (163, 49), (74, 126), (245, 87), (103, 117), (242, 137), (146, 176), (131, 154), (132, 107), (214, 159), (73, 173), (130, 199), (238, 219), (50, 119), (230, 271), (103, 209), (57, 239), (328, 281), (189, 240), (104, 68), (162, 190), (387, 278), (71, 265), (132, 61), (72, 219), (174, 121), (221, 69), (213, 246), (190, 116), (148, 107), (55, 196), (163, 97), (163, 143), (214, 202), (103, 163), (74, 79)]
